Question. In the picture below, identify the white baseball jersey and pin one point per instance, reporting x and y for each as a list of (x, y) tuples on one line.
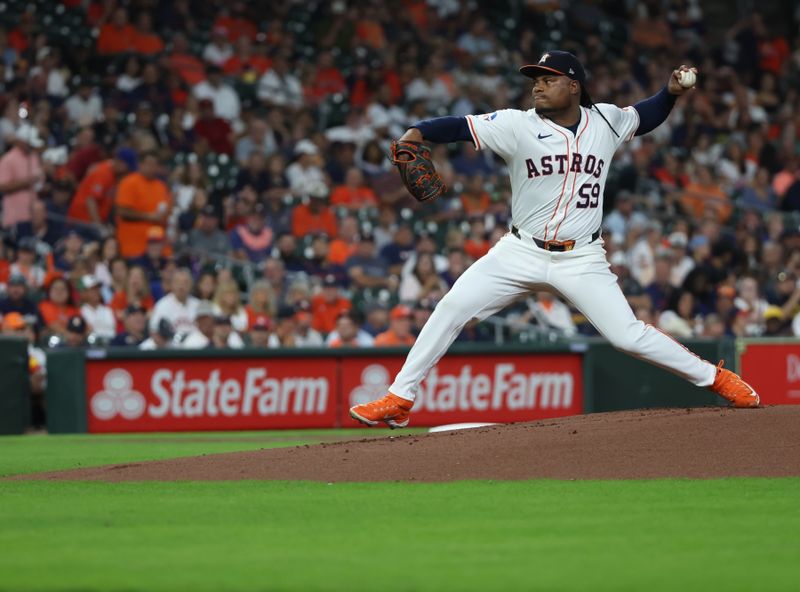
[(557, 177)]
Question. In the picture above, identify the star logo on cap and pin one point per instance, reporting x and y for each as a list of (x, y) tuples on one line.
[(544, 58), (571, 71)]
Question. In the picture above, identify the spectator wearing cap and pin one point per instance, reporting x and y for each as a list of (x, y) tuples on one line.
[(179, 306), (259, 332), (328, 305), (306, 335), (162, 336), (642, 256), (354, 194), (39, 227), (116, 36), (225, 102), (775, 323), (224, 335), (315, 216), (206, 236), (399, 331), (218, 50), (21, 175), (681, 262), (366, 269), (135, 328), (57, 307), (16, 297), (228, 303), (26, 263), (100, 317), (201, 334), (84, 107), (143, 201), (279, 87), (153, 260), (20, 326), (252, 241), (318, 264), (94, 196), (348, 333), (400, 249), (287, 250), (75, 333), (306, 173), (215, 131)]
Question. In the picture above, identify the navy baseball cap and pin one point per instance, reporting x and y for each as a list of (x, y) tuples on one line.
[(562, 63)]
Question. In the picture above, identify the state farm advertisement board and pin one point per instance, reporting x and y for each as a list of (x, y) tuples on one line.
[(774, 371), (475, 388), (210, 394)]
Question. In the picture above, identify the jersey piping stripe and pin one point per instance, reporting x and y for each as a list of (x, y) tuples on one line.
[(638, 123), (474, 135), (671, 338), (566, 176), (574, 177)]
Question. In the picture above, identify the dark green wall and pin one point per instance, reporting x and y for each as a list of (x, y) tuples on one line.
[(15, 404)]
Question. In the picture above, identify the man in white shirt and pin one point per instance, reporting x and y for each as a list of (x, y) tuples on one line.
[(179, 307), (84, 107), (100, 317), (305, 174), (279, 87), (226, 101), (218, 50), (202, 332)]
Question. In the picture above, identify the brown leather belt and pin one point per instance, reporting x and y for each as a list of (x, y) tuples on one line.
[(553, 245)]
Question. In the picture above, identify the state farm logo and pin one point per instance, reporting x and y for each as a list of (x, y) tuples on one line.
[(504, 387), (374, 384), (118, 397)]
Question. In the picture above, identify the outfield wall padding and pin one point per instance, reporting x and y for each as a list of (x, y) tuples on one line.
[(118, 390), (15, 404)]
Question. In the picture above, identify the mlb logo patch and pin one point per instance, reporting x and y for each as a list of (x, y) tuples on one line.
[(489, 116)]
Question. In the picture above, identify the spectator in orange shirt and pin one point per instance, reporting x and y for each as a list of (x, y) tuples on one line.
[(704, 195), (354, 194), (184, 63), (476, 245), (57, 307), (143, 201), (399, 331), (95, 194), (145, 41), (328, 305), (135, 293), (245, 63), (344, 245), (314, 217), (327, 79), (474, 199), (236, 22), (118, 35)]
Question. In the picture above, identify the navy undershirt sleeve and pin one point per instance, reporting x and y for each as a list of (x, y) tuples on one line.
[(442, 130), (653, 111)]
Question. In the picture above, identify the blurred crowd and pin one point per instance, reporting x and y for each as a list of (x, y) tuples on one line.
[(214, 174)]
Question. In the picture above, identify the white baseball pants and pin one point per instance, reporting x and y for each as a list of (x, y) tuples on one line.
[(515, 267)]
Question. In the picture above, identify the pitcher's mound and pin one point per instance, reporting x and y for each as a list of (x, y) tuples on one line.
[(693, 443)]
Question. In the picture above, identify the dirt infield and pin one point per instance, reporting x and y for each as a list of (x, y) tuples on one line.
[(693, 443)]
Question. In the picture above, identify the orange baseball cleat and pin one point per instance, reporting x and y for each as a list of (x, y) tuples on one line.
[(391, 409), (730, 385)]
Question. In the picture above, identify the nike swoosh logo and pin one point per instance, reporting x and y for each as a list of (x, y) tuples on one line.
[(541, 137)]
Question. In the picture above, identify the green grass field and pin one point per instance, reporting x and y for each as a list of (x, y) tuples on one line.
[(732, 534)]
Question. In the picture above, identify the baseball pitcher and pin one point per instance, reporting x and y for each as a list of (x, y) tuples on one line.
[(558, 156)]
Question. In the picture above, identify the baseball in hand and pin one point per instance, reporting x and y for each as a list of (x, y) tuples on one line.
[(687, 78)]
